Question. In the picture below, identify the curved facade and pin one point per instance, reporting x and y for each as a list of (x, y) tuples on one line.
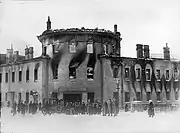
[(74, 68)]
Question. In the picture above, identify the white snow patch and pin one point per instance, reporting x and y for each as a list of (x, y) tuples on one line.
[(125, 122)]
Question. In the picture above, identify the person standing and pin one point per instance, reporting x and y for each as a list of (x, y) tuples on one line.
[(114, 107), (30, 107), (151, 109), (39, 106), (109, 107)]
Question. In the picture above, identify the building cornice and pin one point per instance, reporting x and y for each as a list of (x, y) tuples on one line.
[(40, 58), (76, 31)]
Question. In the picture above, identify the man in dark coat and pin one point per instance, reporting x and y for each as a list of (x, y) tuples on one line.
[(151, 109), (30, 107), (19, 107), (39, 106)]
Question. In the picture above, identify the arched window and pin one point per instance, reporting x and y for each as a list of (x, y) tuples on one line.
[(148, 72), (158, 74), (176, 74), (138, 72), (127, 73)]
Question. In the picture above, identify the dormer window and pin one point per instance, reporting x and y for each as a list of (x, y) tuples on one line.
[(158, 76), (138, 74), (72, 47), (127, 73), (167, 75), (90, 47), (148, 75)]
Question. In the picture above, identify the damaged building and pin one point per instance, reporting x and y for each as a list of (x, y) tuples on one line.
[(81, 64)]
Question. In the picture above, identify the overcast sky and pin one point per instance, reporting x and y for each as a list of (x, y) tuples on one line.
[(150, 22)]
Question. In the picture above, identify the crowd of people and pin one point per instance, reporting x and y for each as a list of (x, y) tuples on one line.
[(24, 107), (49, 106), (108, 108)]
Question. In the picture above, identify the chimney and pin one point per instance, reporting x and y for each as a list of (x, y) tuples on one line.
[(31, 52), (115, 28), (48, 23), (139, 49), (9, 55), (146, 51), (16, 55), (166, 52), (26, 53)]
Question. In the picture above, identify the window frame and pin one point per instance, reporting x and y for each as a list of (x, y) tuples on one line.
[(13, 76), (168, 72), (90, 42), (105, 47), (138, 96), (55, 72), (138, 74), (73, 77), (35, 74), (6, 77), (74, 44), (127, 78), (148, 96), (158, 74), (168, 96), (20, 75), (176, 74), (158, 96), (89, 73), (127, 97), (115, 72), (27, 75), (148, 74)]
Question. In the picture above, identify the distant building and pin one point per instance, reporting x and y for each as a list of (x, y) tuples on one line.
[(81, 64)]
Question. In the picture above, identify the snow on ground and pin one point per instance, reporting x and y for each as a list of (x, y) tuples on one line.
[(125, 122)]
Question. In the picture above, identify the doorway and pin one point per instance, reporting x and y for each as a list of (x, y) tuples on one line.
[(72, 97)]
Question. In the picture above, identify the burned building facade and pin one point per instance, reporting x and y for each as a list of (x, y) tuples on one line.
[(81, 64), (75, 69)]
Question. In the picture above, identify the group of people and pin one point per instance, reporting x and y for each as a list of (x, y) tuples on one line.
[(71, 108), (24, 107), (110, 107)]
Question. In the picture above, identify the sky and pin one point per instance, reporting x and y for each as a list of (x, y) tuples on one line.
[(148, 22)]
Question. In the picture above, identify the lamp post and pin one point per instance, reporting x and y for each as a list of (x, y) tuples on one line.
[(117, 89)]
